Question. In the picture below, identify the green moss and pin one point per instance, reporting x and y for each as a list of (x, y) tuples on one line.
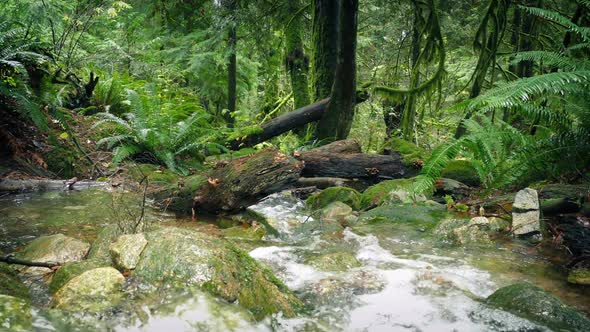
[(462, 171), (99, 250), (10, 283), (411, 153), (378, 193), (71, 270), (178, 199), (244, 232), (337, 261), (579, 276), (533, 303), (65, 161), (15, 314), (345, 195), (422, 215), (238, 277)]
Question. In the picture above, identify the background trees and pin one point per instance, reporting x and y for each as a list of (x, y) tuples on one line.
[(426, 71)]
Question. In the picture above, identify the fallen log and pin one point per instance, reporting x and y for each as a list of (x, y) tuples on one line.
[(10, 259), (283, 124), (232, 186)]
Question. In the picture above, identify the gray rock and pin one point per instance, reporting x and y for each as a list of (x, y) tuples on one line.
[(53, 248), (479, 221), (526, 222), (404, 197), (526, 199), (94, 290), (336, 211), (126, 250)]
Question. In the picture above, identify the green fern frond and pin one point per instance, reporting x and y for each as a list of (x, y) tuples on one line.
[(554, 16), (439, 159), (123, 152)]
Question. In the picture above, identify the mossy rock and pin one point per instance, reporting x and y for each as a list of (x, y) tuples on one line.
[(379, 193), (245, 232), (533, 303), (337, 261), (100, 248), (125, 252), (15, 314), (93, 290), (65, 161), (462, 171), (154, 173), (52, 248), (579, 276), (11, 285), (180, 258), (411, 153), (463, 232), (345, 195), (422, 215), (71, 270)]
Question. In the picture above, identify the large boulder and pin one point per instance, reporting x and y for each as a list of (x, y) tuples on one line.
[(93, 290), (345, 195), (245, 232), (126, 250), (183, 258), (533, 303), (71, 270), (526, 213), (100, 249), (15, 314), (53, 248)]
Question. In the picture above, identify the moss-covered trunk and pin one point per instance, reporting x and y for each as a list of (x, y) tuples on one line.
[(325, 46), (336, 122), (296, 61)]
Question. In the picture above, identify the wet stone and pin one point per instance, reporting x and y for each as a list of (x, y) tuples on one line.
[(53, 248), (15, 314), (126, 250)]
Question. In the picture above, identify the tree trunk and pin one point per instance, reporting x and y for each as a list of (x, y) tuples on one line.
[(231, 66), (337, 120), (325, 46), (296, 61)]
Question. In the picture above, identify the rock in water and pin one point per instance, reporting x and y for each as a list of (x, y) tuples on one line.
[(126, 250), (525, 213), (183, 258), (93, 290), (337, 212), (15, 314), (533, 303), (53, 248), (579, 276)]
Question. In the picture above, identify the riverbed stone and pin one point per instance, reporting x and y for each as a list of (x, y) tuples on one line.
[(579, 276), (462, 171), (93, 290), (526, 199), (533, 303), (345, 195), (336, 211), (15, 314), (100, 249), (401, 196), (181, 258), (379, 193), (463, 232), (71, 270), (52, 248), (337, 261), (126, 250)]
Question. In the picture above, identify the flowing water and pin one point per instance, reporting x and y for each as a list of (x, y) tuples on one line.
[(401, 280)]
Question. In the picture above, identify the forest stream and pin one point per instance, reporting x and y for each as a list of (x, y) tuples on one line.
[(368, 277)]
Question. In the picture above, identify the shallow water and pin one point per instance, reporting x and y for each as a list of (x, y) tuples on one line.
[(406, 280)]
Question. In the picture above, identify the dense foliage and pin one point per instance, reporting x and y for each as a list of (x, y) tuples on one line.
[(502, 83)]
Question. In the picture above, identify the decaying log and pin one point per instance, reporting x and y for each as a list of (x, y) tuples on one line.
[(235, 185), (322, 182), (10, 259)]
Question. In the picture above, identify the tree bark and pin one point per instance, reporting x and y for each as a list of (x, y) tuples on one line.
[(337, 120), (232, 66), (296, 61), (325, 46), (283, 124)]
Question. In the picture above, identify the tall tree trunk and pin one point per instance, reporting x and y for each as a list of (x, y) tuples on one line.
[(336, 122), (325, 46), (527, 39), (409, 114), (296, 61), (232, 66)]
